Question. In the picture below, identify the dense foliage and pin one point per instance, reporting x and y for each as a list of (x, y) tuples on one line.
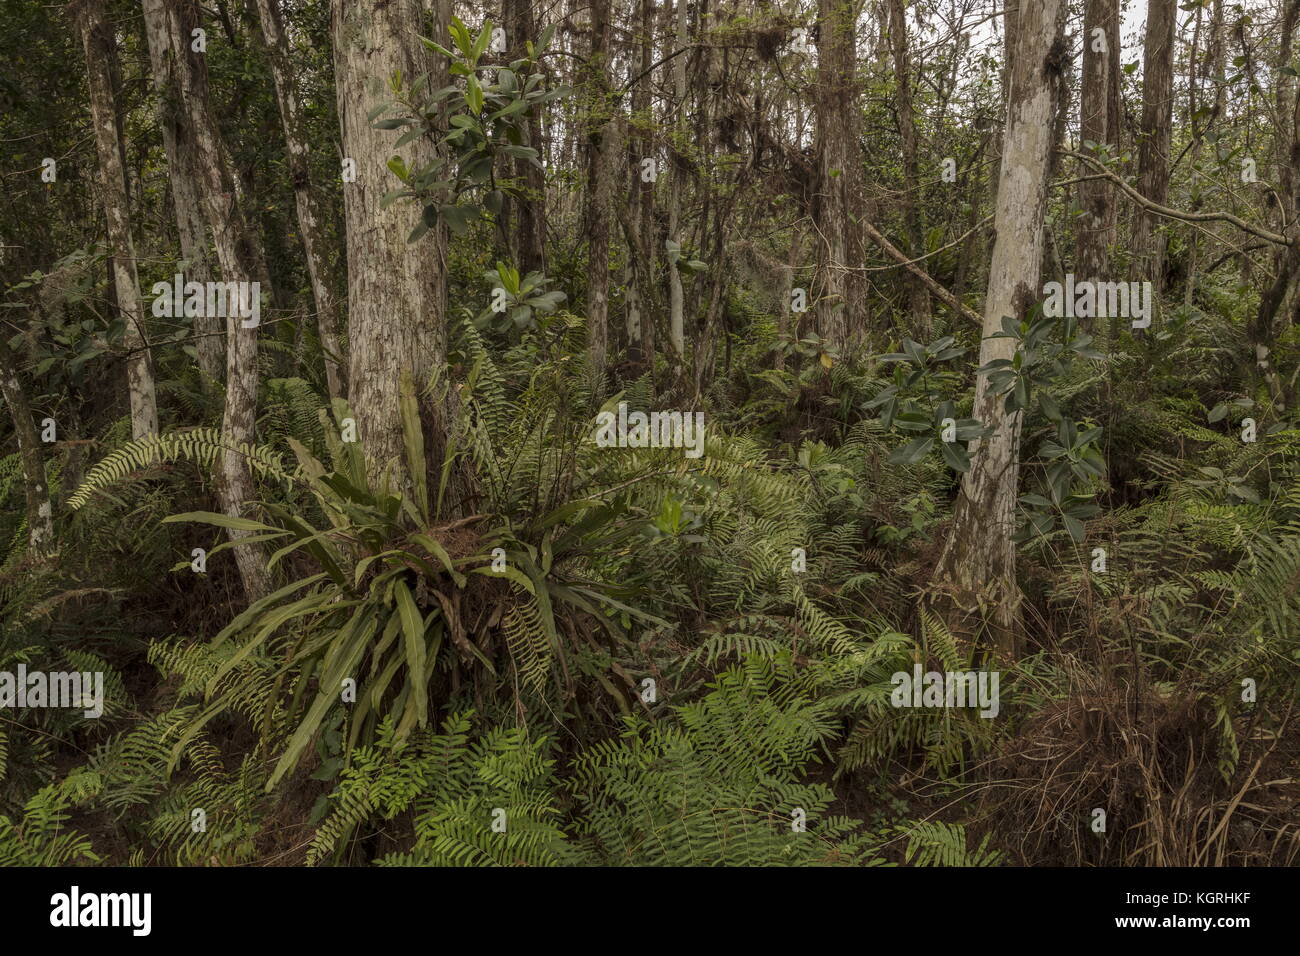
[(508, 644)]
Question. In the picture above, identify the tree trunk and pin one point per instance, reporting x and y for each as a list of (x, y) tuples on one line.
[(179, 148), (677, 186), (40, 513), (101, 60), (238, 255), (1096, 197), (527, 215), (979, 560), (839, 178), (918, 295), (310, 225), (1261, 331), (397, 293), (642, 294), (601, 150), (1153, 148)]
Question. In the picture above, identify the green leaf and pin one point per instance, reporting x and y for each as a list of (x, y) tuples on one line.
[(413, 442), (221, 521), (413, 628), (458, 218), (955, 456), (912, 452)]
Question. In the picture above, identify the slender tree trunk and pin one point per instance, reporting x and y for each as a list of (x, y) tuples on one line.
[(527, 215), (1284, 96), (918, 295), (601, 150), (1194, 74), (639, 144), (101, 60), (788, 323), (1262, 329), (1218, 57), (179, 148), (1153, 147), (1096, 196), (239, 257), (978, 563), (1287, 207), (972, 248), (311, 226), (40, 513), (839, 178), (677, 186), (643, 107)]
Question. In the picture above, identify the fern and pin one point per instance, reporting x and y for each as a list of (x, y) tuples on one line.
[(41, 837), (203, 446)]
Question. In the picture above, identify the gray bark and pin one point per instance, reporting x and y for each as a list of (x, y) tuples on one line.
[(239, 258), (314, 242), (182, 176), (979, 559), (40, 515), (101, 57), (397, 295)]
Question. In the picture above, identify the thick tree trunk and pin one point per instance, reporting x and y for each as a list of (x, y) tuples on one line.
[(918, 295), (101, 59), (397, 293), (179, 148), (1095, 227), (1153, 146), (40, 514), (310, 223), (239, 257), (601, 149), (841, 320), (979, 559)]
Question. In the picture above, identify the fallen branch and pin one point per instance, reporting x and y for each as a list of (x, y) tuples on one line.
[(939, 292)]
